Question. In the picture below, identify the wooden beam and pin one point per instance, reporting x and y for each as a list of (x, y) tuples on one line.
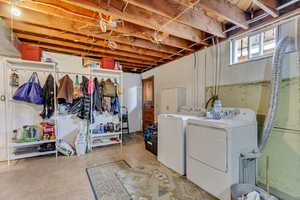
[(81, 52), (19, 26), (108, 52), (196, 18), (142, 17), (223, 9), (53, 7), (268, 6), (65, 25)]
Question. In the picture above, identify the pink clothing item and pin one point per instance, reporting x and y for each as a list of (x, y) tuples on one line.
[(91, 87)]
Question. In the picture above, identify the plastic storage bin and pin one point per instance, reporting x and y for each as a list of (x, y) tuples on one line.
[(108, 63), (29, 52)]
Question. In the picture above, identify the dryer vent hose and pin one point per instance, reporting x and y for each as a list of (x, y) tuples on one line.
[(275, 88)]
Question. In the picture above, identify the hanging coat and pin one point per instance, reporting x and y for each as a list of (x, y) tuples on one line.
[(65, 90), (115, 106), (97, 96), (48, 94), (86, 101)]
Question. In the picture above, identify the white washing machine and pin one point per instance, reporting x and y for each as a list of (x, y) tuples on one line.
[(214, 148), (172, 141)]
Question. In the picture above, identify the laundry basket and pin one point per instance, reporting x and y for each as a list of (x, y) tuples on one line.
[(238, 190)]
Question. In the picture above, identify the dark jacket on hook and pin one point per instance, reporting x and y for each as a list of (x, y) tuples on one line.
[(48, 94), (97, 96)]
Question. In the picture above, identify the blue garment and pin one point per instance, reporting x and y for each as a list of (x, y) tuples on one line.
[(149, 133), (115, 106)]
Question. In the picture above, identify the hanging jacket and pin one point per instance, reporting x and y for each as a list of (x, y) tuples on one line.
[(115, 106), (65, 90), (97, 96), (86, 101), (48, 95)]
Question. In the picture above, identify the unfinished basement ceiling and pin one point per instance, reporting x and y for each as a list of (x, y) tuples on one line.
[(141, 34)]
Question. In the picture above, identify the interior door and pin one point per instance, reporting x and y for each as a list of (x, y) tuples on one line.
[(148, 102)]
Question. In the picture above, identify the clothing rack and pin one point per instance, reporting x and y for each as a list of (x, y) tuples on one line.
[(51, 68), (109, 74), (21, 65)]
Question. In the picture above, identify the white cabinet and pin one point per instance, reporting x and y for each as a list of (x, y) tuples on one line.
[(172, 99)]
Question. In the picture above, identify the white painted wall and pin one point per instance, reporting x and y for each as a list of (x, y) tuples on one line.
[(132, 99), (175, 74), (181, 73)]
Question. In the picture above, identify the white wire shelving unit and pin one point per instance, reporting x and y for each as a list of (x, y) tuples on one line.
[(22, 66), (19, 65), (104, 139)]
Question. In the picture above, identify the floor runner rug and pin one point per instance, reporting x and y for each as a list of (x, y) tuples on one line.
[(105, 183)]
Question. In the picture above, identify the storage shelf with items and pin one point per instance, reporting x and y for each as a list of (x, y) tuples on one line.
[(85, 106), (106, 128), (28, 134)]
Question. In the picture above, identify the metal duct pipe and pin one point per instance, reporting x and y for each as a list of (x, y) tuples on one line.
[(275, 89)]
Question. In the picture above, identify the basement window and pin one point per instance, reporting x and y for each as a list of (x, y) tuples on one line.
[(253, 46)]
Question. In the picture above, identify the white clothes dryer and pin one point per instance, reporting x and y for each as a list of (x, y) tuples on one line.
[(214, 148)]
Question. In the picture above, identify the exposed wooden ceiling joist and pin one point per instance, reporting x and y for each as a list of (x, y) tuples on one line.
[(107, 52), (142, 17), (37, 18), (83, 53), (269, 6), (47, 32), (142, 34), (223, 9), (132, 30), (196, 18)]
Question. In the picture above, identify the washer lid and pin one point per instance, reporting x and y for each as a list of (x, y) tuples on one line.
[(222, 123), (181, 116)]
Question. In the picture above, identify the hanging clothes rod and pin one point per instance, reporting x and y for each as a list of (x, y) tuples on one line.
[(75, 73), (88, 74), (28, 69), (105, 76)]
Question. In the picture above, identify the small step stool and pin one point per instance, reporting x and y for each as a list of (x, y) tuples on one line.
[(125, 123)]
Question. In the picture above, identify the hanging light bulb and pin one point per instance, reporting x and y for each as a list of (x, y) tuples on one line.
[(15, 11)]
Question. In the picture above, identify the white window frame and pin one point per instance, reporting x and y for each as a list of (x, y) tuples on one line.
[(261, 38)]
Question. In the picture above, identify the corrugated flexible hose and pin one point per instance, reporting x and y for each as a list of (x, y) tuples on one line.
[(277, 65)]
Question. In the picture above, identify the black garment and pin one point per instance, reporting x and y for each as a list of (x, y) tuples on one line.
[(86, 106), (97, 96), (76, 106), (48, 94)]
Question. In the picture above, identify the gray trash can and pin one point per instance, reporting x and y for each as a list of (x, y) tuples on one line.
[(238, 190)]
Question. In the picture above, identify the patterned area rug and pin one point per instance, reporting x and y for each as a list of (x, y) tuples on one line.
[(159, 183), (105, 183), (117, 181)]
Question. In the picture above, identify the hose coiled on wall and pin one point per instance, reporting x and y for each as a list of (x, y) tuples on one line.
[(275, 89)]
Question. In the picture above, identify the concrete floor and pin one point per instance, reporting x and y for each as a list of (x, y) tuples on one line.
[(64, 178)]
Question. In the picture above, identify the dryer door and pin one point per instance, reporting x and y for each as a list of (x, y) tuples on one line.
[(208, 145)]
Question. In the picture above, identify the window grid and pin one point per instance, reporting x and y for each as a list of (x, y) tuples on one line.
[(241, 51)]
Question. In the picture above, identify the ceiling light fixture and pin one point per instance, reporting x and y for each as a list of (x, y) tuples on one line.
[(15, 11)]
